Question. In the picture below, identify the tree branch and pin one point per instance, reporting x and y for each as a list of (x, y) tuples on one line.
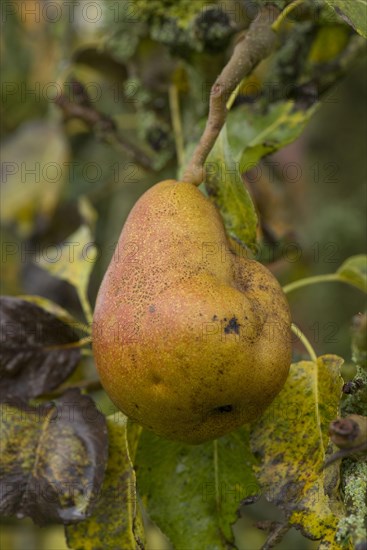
[(276, 532), (101, 123), (257, 44), (86, 385)]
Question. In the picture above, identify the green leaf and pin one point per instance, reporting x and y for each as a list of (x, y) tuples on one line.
[(354, 271), (116, 519), (227, 190), (353, 12), (292, 440), (195, 490), (253, 133)]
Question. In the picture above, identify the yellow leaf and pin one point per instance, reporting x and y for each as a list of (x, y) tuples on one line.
[(330, 41), (116, 519), (292, 440), (73, 260)]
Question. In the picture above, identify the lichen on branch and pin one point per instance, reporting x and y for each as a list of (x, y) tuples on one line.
[(256, 45)]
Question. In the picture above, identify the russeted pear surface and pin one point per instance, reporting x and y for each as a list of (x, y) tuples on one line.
[(190, 340)]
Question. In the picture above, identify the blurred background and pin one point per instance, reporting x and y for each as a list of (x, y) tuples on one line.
[(61, 165)]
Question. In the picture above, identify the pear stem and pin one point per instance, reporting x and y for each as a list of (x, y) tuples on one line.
[(258, 42), (174, 103), (216, 474), (82, 326), (276, 25), (86, 306), (233, 96), (305, 342), (84, 385), (78, 344), (312, 281)]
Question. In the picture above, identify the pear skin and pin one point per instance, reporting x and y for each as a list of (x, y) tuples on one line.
[(190, 340)]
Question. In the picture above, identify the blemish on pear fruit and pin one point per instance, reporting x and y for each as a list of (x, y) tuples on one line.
[(224, 409), (197, 365), (232, 327), (156, 379)]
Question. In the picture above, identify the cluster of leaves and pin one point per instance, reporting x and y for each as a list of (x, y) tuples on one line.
[(55, 465), (273, 110)]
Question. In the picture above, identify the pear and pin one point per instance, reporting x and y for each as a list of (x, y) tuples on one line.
[(190, 340)]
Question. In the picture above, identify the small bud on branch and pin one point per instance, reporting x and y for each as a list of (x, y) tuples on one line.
[(349, 432)]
